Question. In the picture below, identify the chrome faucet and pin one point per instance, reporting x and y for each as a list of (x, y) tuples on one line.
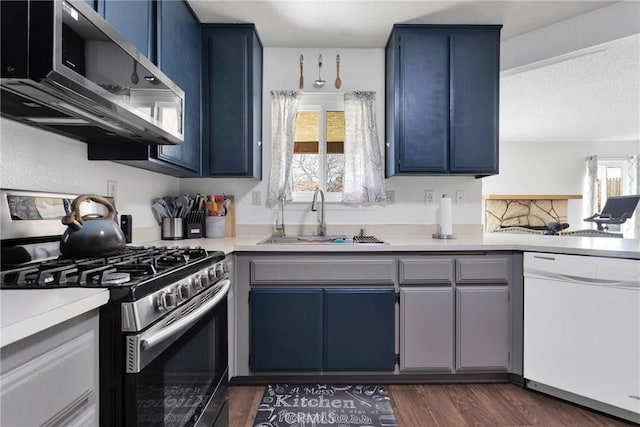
[(322, 226), (280, 226)]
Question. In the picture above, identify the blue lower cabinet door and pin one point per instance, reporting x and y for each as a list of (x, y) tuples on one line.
[(359, 329), (286, 329)]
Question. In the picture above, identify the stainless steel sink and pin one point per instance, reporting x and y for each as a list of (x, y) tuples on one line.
[(312, 239)]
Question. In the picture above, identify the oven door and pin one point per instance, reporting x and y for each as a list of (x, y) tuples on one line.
[(177, 368)]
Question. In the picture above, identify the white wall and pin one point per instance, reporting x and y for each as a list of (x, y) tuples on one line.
[(360, 69), (36, 160), (550, 168)]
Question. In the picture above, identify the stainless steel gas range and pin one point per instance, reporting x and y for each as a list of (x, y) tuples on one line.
[(163, 333)]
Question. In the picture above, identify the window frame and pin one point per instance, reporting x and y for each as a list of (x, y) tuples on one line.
[(320, 102)]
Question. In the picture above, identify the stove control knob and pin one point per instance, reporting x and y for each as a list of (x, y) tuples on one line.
[(184, 291), (219, 270), (196, 283), (167, 300), (211, 272)]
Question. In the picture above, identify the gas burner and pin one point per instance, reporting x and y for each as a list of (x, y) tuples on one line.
[(136, 264), (115, 278)]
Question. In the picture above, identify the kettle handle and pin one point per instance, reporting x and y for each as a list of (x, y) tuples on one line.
[(75, 220)]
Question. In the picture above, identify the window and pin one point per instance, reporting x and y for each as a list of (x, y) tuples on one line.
[(318, 152), (340, 154), (610, 184)]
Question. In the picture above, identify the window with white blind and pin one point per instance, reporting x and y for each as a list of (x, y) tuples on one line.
[(318, 152)]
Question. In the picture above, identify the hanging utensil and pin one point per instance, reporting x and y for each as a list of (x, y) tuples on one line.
[(134, 75), (338, 81), (319, 83), (301, 85)]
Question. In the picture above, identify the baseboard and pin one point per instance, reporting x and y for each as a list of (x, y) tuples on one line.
[(433, 378), (516, 379)]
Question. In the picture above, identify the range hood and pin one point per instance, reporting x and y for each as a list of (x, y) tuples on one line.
[(65, 69)]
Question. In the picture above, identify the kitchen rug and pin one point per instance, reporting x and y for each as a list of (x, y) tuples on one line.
[(315, 405)]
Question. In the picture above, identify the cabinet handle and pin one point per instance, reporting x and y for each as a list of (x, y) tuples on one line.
[(72, 408), (259, 143)]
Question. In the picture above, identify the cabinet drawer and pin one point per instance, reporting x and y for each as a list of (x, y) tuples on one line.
[(32, 393), (334, 270), (483, 270), (426, 270)]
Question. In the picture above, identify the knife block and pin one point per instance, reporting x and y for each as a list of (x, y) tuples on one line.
[(194, 225), (194, 229)]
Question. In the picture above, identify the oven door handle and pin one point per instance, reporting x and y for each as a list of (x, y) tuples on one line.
[(186, 322)]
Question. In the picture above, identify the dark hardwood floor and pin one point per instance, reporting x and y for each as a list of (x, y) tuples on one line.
[(449, 405)]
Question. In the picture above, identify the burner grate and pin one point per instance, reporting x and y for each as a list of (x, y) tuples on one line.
[(135, 265)]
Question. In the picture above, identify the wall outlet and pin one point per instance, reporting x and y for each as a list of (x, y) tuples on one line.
[(429, 196), (112, 188), (459, 196), (256, 198), (391, 197)]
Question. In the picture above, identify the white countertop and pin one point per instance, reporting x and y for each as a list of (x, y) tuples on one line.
[(595, 246), (25, 312)]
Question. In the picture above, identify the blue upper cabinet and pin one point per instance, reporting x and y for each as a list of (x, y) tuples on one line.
[(475, 71), (134, 19), (442, 99), (232, 101), (179, 58)]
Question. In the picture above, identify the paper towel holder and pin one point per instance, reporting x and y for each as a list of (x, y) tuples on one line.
[(443, 236), (440, 234)]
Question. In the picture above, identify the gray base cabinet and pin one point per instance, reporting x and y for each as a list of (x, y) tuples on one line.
[(51, 378), (330, 314), (426, 329), (482, 329), (455, 313)]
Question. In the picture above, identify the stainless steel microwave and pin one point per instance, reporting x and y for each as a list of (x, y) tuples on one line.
[(65, 69)]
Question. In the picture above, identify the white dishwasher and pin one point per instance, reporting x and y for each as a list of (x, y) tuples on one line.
[(582, 330)]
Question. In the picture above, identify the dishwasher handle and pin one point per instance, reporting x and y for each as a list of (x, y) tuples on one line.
[(581, 280)]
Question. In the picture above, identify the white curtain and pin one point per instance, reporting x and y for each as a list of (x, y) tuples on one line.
[(590, 191), (363, 164), (284, 108), (631, 186)]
